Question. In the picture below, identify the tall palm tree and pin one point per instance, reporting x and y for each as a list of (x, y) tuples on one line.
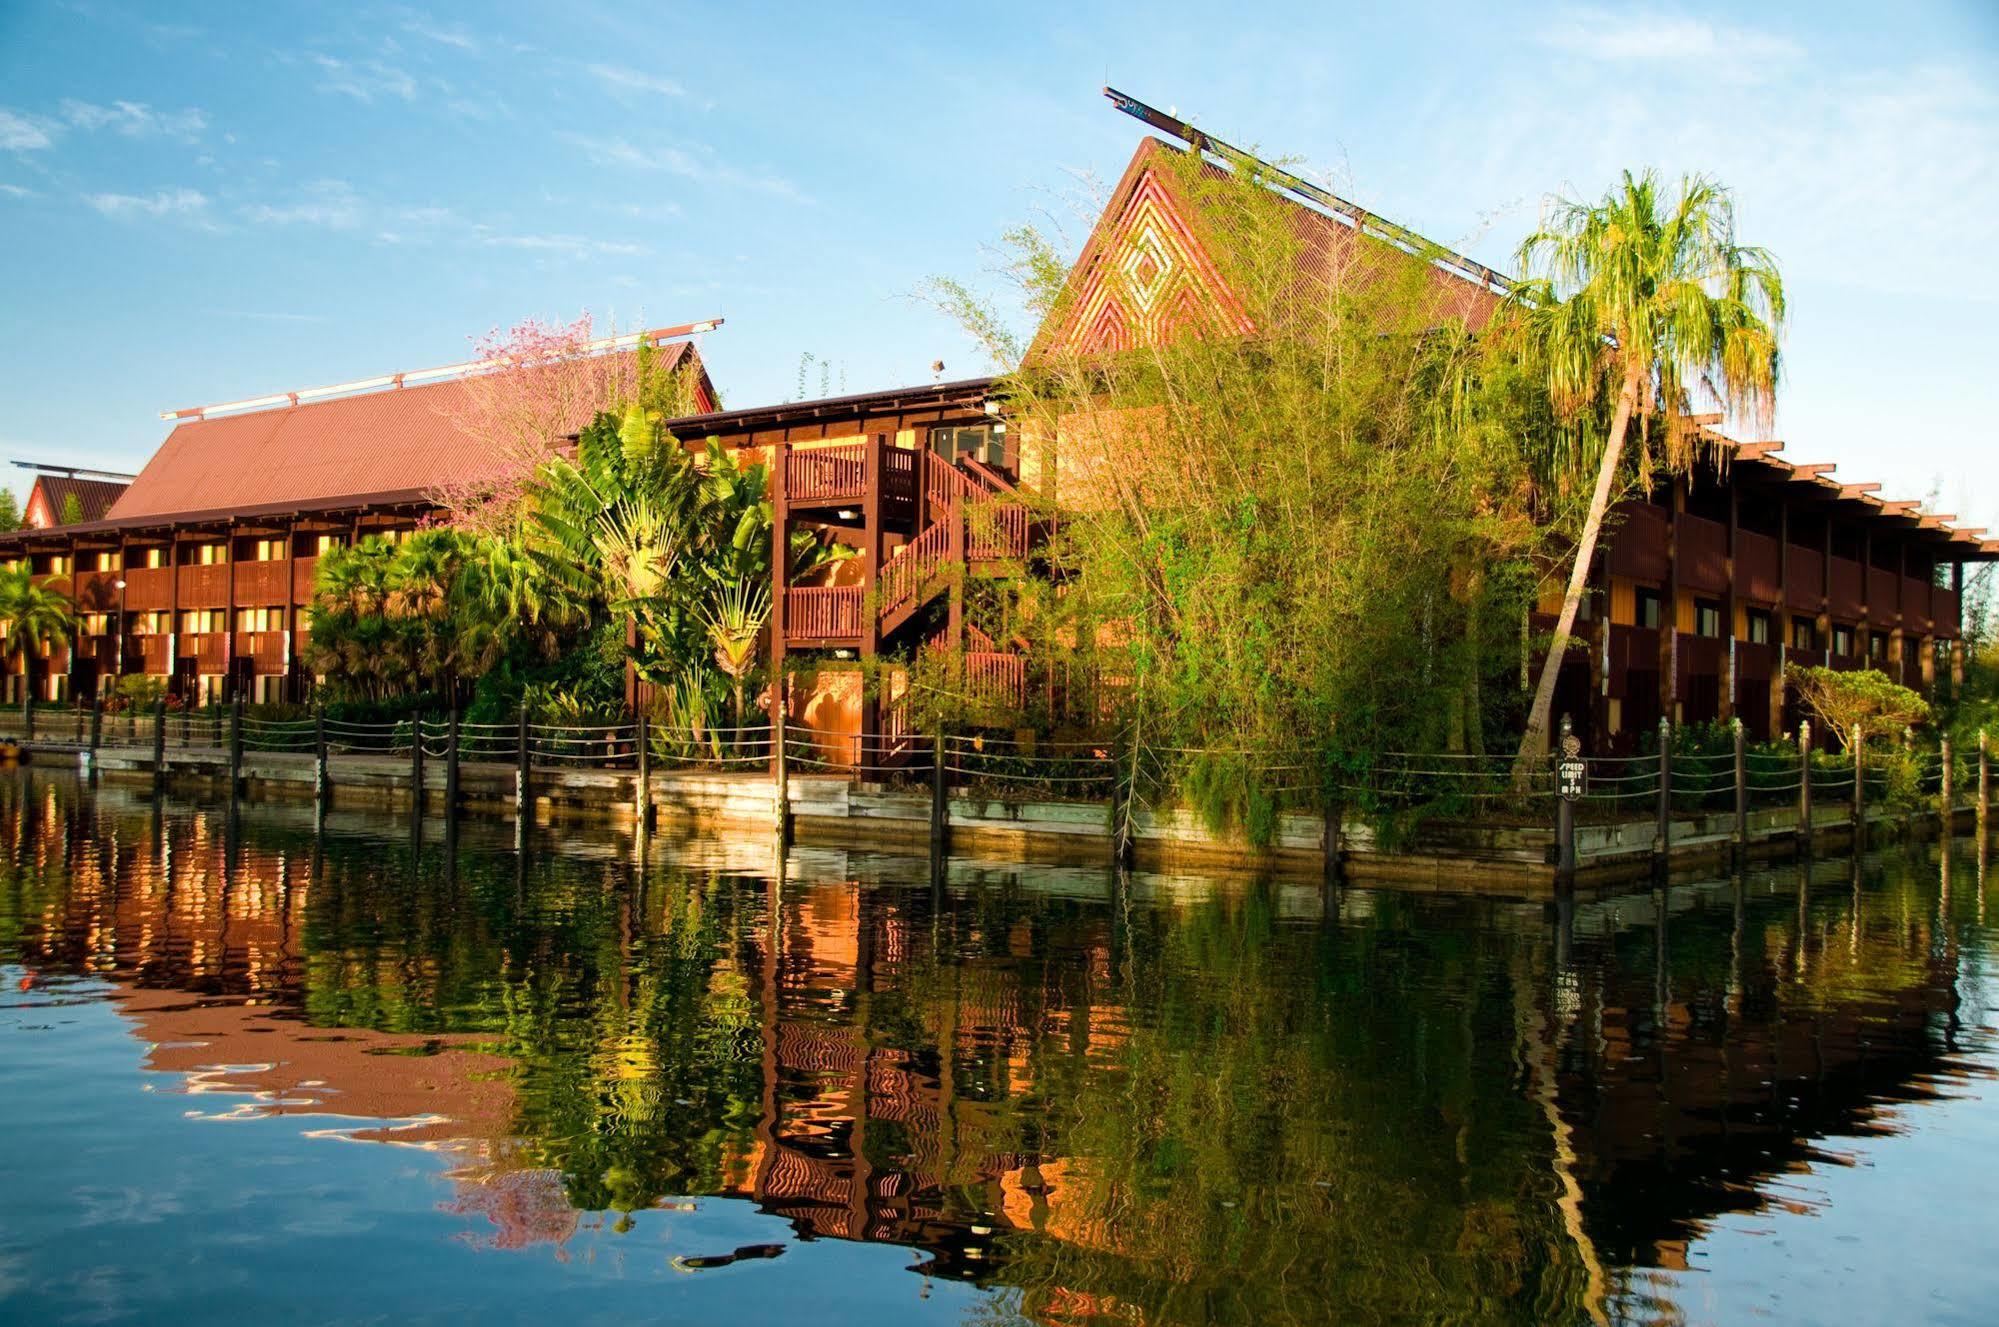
[(32, 613), (1652, 298)]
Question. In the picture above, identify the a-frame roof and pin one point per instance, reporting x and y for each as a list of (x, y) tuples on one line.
[(1146, 272)]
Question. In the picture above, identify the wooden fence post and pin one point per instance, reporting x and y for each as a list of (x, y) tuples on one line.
[(1805, 784), (1859, 811), (1565, 817), (96, 728), (1662, 835), (235, 745), (159, 742), (643, 809), (940, 812), (451, 768), (319, 779), (523, 752), (1946, 793), (416, 761), (1984, 782), (780, 767), (1741, 794)]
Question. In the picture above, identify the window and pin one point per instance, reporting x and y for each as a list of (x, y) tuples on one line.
[(1650, 608), (1707, 617), (1877, 646), (59, 564), (105, 561), (1757, 620), (148, 624), (978, 442), (155, 556), (95, 624), (268, 550), (1804, 634), (1842, 641), (259, 619), (196, 620), (325, 543), (209, 555)]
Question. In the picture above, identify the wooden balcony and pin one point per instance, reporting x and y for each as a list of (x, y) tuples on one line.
[(1703, 554), (1847, 588), (1805, 568), (1916, 612), (265, 649), (303, 572), (149, 588), (146, 654), (260, 584), (208, 649), (1639, 544), (1884, 597), (818, 614), (1757, 567), (204, 587), (97, 591), (826, 474)]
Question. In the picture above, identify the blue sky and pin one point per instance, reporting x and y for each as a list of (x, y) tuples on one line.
[(206, 202)]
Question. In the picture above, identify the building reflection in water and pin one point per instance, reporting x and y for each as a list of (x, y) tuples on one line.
[(1181, 1100)]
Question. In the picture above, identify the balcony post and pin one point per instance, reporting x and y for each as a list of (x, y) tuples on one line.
[(523, 759), (1859, 811), (1741, 795), (319, 780), (1662, 834)]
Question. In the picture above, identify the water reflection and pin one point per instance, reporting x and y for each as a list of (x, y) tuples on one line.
[(1169, 1099)]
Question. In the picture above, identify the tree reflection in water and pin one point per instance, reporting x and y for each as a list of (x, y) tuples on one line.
[(1174, 1100)]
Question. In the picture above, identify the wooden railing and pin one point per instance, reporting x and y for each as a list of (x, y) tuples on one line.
[(208, 649), (205, 587), (266, 649), (994, 675), (822, 612), (260, 583), (995, 529), (905, 571), (899, 482), (824, 473), (1703, 553), (1805, 570), (149, 588), (303, 571), (1757, 568), (1847, 587), (97, 591), (146, 654)]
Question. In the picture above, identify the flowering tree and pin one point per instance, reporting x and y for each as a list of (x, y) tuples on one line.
[(544, 384)]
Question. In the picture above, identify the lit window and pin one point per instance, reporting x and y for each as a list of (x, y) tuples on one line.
[(1758, 623), (1707, 618), (1650, 609), (1842, 641)]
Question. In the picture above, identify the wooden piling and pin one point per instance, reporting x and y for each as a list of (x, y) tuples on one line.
[(524, 757), (320, 786), (940, 811), (235, 746), (1805, 787), (1662, 834), (416, 761), (1946, 793), (643, 793), (1741, 846), (159, 743), (451, 769), (1984, 782), (1859, 805), (1565, 817), (780, 771)]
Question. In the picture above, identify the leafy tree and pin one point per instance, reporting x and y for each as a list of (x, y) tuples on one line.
[(72, 509), (1650, 300), (10, 510), (1867, 701), (32, 614)]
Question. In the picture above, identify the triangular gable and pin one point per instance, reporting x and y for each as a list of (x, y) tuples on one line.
[(1143, 277)]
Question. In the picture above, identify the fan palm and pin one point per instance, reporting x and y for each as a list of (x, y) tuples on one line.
[(32, 614), (1652, 298)]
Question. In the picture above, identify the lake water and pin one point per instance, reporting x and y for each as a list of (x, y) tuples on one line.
[(252, 1070)]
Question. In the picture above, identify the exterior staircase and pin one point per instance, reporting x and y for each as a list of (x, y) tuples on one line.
[(973, 516)]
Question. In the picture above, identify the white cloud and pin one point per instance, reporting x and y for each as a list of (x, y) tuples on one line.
[(135, 119), (572, 246), (24, 133), (454, 35), (16, 191), (702, 168), (365, 80), (189, 205), (1623, 36), (618, 78), (329, 203)]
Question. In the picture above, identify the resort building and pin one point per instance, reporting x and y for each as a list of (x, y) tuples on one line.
[(61, 495), (200, 572)]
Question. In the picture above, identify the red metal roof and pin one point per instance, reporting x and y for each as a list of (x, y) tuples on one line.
[(50, 492), (396, 440)]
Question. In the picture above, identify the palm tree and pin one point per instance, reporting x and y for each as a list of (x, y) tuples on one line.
[(1655, 300), (31, 614), (735, 624)]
